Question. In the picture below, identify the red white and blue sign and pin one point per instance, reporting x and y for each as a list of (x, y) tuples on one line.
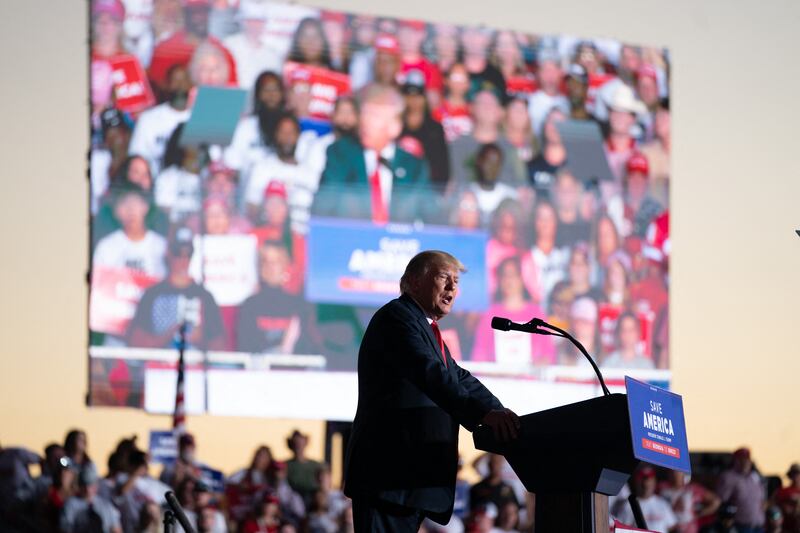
[(658, 427), (357, 263)]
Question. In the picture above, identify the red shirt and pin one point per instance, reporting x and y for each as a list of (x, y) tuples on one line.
[(433, 78), (455, 120)]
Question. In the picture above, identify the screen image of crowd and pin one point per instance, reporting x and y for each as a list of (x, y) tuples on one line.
[(551, 151), (74, 494)]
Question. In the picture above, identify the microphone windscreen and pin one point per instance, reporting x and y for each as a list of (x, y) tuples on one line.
[(503, 324)]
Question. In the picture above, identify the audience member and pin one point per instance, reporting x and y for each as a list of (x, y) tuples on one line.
[(179, 48), (422, 135), (742, 486), (628, 340), (176, 300), (691, 501), (87, 511), (453, 113), (302, 472), (492, 489), (656, 510), (251, 47), (486, 186), (788, 499), (372, 177), (549, 77)]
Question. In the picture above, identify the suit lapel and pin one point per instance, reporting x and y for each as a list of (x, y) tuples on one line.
[(426, 327)]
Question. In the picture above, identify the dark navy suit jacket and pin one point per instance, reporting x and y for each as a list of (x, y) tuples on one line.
[(404, 445)]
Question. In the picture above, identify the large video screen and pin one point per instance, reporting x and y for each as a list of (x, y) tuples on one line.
[(262, 172)]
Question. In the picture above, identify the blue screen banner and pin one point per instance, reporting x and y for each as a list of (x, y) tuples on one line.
[(353, 263), (658, 426), (163, 446)]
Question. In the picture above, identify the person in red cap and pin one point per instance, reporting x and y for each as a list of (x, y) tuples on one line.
[(178, 49), (410, 36), (657, 511), (742, 486), (386, 65), (108, 53), (267, 516), (639, 207)]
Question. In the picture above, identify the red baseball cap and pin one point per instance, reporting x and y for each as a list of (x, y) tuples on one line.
[(112, 7), (413, 24), (645, 472), (637, 162), (333, 16), (275, 188), (387, 43)]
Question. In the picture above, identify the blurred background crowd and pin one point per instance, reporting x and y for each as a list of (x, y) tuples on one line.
[(375, 120), (65, 490)]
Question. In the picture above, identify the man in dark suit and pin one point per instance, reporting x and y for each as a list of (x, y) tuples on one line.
[(371, 177), (403, 452)]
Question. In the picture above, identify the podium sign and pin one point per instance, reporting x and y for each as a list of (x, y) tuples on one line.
[(658, 428)]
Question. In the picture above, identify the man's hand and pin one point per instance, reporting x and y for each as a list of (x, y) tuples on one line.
[(504, 423)]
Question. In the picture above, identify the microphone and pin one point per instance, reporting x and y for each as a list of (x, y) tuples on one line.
[(172, 501), (536, 326), (504, 324)]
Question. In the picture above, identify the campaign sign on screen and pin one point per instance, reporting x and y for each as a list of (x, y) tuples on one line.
[(354, 263), (163, 446), (658, 427)]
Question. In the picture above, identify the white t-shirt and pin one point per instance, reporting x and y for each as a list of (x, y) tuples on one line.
[(116, 250), (152, 131), (98, 175), (550, 268), (178, 192), (539, 105), (253, 60), (489, 200), (657, 513), (300, 181)]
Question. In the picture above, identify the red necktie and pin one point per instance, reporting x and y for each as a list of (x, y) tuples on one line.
[(379, 214), (438, 335)]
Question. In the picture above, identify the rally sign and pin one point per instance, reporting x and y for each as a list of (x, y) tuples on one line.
[(131, 88), (324, 86), (226, 266), (658, 427), (163, 446), (114, 296), (355, 263)]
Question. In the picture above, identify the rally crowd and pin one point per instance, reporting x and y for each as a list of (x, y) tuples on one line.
[(70, 494), (376, 120)]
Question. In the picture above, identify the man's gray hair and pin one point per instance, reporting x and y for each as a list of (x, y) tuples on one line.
[(420, 265), (378, 94)]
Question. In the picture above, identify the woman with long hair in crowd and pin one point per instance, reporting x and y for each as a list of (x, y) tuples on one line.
[(505, 239), (628, 343), (606, 242), (518, 130), (309, 45), (505, 53), (420, 129), (453, 112), (75, 450), (177, 188), (543, 168), (546, 263), (513, 301)]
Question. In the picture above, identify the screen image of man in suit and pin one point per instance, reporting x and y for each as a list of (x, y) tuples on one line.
[(370, 177), (402, 457)]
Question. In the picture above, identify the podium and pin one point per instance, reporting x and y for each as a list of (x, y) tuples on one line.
[(572, 457)]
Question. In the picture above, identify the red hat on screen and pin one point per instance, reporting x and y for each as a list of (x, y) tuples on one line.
[(276, 188), (413, 24), (647, 71), (333, 16), (112, 7), (270, 498), (387, 43), (637, 162), (218, 167), (742, 453), (645, 472)]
